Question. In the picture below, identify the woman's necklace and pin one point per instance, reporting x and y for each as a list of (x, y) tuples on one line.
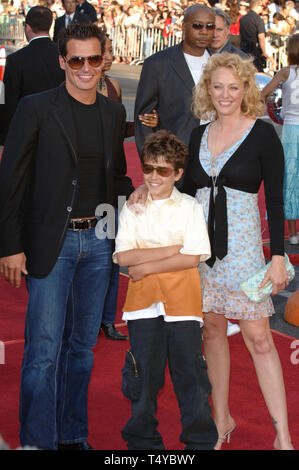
[(237, 130), (214, 175), (215, 170), (102, 83)]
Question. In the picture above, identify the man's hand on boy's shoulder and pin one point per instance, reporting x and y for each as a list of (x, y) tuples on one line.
[(137, 199)]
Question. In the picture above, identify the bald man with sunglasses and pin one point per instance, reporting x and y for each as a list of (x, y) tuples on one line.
[(169, 76), (62, 161)]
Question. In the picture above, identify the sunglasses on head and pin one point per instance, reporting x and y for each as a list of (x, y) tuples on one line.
[(161, 170), (77, 62), (201, 26)]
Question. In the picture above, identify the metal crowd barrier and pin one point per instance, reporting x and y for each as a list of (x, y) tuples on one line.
[(133, 43), (12, 29), (136, 43), (279, 54)]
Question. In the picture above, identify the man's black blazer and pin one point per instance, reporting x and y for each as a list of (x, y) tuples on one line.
[(88, 9), (33, 69), (60, 23), (38, 174), (166, 85)]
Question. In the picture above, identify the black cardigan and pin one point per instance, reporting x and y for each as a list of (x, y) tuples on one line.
[(259, 158)]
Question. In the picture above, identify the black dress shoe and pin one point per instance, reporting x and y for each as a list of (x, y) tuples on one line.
[(111, 332), (76, 446)]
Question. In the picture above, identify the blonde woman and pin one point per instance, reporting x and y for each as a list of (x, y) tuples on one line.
[(229, 158)]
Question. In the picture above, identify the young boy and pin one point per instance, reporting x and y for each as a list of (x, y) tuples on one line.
[(162, 246)]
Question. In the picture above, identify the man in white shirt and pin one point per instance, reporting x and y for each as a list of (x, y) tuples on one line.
[(169, 76)]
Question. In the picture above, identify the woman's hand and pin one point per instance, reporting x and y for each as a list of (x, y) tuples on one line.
[(149, 120), (277, 274)]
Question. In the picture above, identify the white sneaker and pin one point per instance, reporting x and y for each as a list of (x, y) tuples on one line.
[(294, 240), (232, 329)]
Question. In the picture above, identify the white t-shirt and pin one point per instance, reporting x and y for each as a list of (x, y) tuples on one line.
[(196, 64), (290, 97)]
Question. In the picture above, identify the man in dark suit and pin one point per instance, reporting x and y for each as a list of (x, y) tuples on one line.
[(32, 69), (88, 9), (168, 78), (253, 35), (63, 162), (71, 16), (221, 42)]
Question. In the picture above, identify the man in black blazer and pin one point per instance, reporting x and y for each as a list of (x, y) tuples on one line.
[(88, 9), (168, 78), (71, 16), (32, 69), (221, 42), (63, 162), (253, 35)]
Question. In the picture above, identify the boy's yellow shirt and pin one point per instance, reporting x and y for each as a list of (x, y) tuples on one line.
[(178, 221)]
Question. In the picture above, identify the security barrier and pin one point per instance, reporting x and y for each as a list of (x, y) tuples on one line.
[(133, 44), (279, 54), (136, 43), (12, 29)]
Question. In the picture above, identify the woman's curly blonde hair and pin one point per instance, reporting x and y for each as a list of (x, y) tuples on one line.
[(251, 106)]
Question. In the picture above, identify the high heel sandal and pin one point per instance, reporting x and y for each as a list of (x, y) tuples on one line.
[(226, 437)]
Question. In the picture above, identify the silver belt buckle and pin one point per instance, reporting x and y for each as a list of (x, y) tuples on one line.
[(73, 222)]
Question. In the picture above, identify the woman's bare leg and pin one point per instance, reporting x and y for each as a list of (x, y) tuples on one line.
[(216, 350), (292, 227), (259, 341)]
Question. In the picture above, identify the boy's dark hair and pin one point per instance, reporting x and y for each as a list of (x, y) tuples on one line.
[(166, 145), (82, 32), (39, 19)]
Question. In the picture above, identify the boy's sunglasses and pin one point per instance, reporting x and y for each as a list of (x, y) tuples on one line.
[(201, 26), (161, 170), (77, 62)]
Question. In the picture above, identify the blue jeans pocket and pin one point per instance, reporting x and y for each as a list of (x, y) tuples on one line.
[(131, 381)]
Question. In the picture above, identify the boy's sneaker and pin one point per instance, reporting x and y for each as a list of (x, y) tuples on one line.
[(294, 240)]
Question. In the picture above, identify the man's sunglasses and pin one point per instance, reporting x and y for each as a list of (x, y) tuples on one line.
[(76, 62), (201, 26), (161, 170)]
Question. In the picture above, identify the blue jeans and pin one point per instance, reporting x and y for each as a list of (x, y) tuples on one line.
[(110, 306), (62, 323)]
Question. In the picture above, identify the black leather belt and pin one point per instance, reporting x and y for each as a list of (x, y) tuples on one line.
[(84, 224)]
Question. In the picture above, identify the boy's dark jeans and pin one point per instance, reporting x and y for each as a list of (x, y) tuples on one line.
[(153, 342)]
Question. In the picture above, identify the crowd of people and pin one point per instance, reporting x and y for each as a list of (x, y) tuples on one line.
[(280, 17), (188, 243)]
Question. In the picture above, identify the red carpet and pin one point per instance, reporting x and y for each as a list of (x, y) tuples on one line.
[(109, 410)]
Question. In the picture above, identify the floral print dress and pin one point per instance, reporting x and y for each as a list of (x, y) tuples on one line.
[(221, 283)]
